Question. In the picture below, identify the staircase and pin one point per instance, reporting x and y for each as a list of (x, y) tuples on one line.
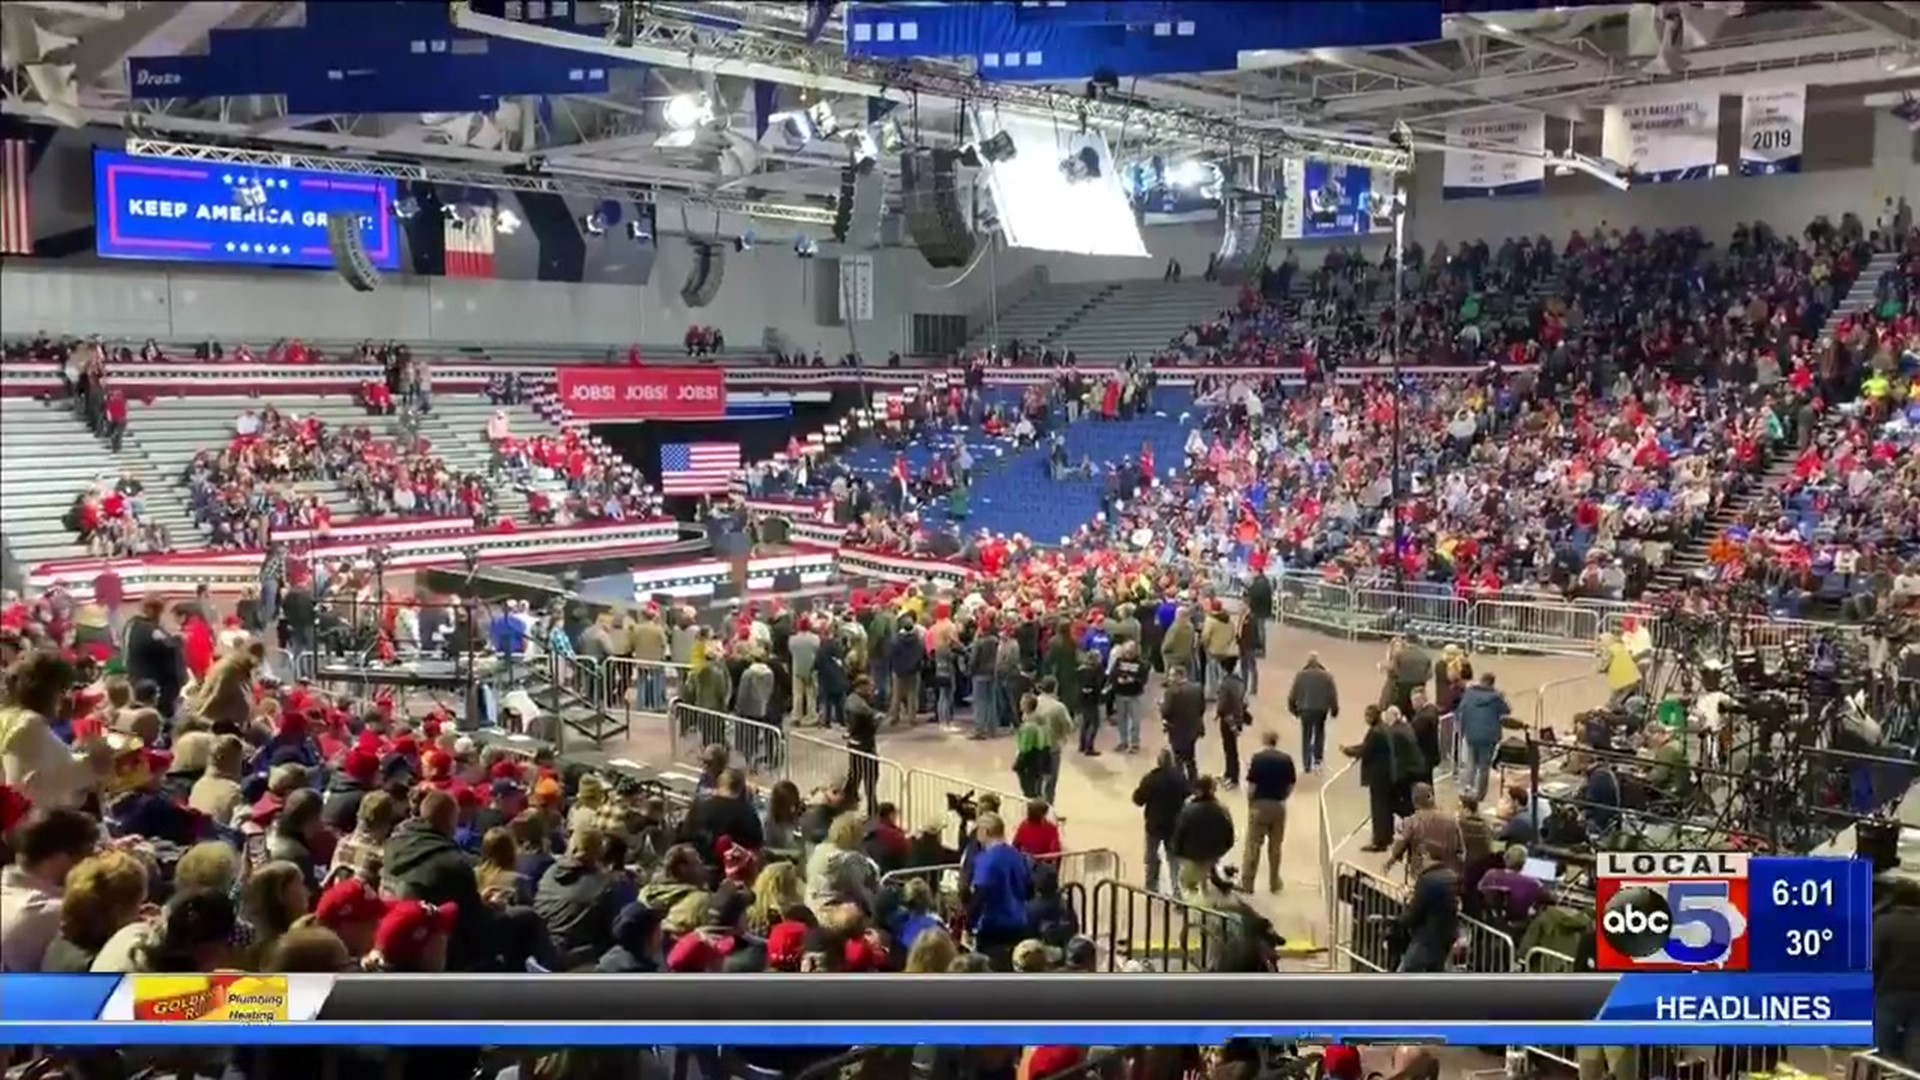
[(1692, 556), (52, 458), (1043, 314), (1860, 296), (1141, 317), (457, 427)]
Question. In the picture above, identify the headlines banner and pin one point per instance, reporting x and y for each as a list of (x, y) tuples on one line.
[(149, 208), (1773, 130), (1664, 141), (644, 393), (840, 1009), (1476, 173)]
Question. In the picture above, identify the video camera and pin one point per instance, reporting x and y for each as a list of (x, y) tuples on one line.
[(963, 807)]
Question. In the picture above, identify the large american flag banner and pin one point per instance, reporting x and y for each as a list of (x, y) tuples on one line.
[(700, 468), (470, 246), (16, 207)]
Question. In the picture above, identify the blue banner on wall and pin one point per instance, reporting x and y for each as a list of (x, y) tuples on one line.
[(1335, 200), (154, 208)]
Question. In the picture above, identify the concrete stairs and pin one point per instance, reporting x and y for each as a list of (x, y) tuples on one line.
[(1690, 557), (1141, 317), (1860, 296), (172, 430), (457, 428), (51, 459), (1043, 314)]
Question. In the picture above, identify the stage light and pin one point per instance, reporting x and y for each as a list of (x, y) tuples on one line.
[(866, 152), (743, 242), (687, 111), (594, 224), (887, 134), (1083, 164), (506, 222), (1188, 174), (999, 147), (825, 124), (250, 195), (805, 247), (406, 208)]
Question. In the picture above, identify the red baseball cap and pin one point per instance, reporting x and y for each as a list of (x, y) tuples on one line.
[(347, 902), (408, 927), (698, 952), (1340, 1063)]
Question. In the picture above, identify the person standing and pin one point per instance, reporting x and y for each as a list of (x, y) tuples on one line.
[(981, 656), (1407, 666), (1313, 699), (1479, 716), (803, 648), (1092, 677), (647, 644), (1160, 795), (1230, 712), (863, 733), (1270, 781), (1426, 731), (1221, 643), (1057, 721), (1202, 836), (1375, 753), (1431, 921), (906, 655), (1183, 710), (1127, 683)]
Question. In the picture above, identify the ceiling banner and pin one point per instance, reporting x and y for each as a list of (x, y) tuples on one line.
[(1664, 141), (1773, 130), (1476, 173)]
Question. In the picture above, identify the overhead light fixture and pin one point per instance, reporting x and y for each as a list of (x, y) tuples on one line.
[(1908, 109), (790, 131), (1189, 174), (887, 134), (250, 194), (685, 112), (406, 208), (743, 242), (825, 124), (642, 227), (506, 222), (1402, 136), (804, 246), (594, 224), (866, 152)]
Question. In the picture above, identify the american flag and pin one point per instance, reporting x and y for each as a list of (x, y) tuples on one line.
[(16, 209), (697, 468), (470, 246)]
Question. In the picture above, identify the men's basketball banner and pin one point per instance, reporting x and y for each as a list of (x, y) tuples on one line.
[(644, 393), (1773, 130), (1478, 169), (1664, 141)]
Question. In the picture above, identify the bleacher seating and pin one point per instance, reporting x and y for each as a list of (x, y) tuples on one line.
[(1139, 317), (1042, 314), (51, 460)]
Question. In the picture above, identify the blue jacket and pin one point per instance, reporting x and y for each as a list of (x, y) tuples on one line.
[(1165, 612), (1096, 640), (509, 635), (1479, 713), (1001, 882)]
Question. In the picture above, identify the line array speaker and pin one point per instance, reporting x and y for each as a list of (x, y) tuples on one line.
[(930, 195), (349, 248), (703, 280), (1252, 224)]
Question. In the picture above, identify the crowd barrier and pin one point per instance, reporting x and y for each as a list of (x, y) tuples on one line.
[(925, 799), (1164, 934), (1870, 1066), (1364, 936), (1501, 622)]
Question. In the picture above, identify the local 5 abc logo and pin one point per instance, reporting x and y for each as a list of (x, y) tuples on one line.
[(1688, 923)]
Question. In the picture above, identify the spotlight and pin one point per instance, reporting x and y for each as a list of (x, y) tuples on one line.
[(1909, 111), (887, 134), (594, 224), (825, 124), (743, 242), (451, 212), (866, 152), (790, 131), (1189, 174), (999, 147), (804, 246), (687, 111), (506, 222), (406, 208), (250, 195)]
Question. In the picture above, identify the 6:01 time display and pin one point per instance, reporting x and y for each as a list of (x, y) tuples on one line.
[(1811, 892)]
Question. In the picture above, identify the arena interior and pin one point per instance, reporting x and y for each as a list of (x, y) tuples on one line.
[(981, 490)]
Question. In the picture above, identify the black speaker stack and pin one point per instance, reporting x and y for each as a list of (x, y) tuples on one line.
[(704, 278), (930, 196), (349, 248)]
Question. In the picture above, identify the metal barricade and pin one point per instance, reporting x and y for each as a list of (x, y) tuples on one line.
[(1549, 962), (1365, 906), (814, 763), (644, 686), (1167, 935), (1488, 950), (1558, 702), (1385, 612), (1869, 1066), (1312, 601), (758, 748), (1333, 838), (1533, 627), (930, 795), (1087, 868)]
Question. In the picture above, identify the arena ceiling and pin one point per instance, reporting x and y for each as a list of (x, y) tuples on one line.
[(66, 62)]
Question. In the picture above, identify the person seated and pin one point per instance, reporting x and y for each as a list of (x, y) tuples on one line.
[(1509, 893)]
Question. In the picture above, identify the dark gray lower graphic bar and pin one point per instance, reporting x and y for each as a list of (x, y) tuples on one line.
[(1114, 998)]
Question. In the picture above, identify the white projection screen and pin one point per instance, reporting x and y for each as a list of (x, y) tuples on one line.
[(1040, 207)]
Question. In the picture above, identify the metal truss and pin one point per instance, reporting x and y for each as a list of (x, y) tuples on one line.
[(456, 176), (739, 52)]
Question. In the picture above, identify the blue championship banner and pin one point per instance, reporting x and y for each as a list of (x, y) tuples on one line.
[(188, 211), (1469, 1009)]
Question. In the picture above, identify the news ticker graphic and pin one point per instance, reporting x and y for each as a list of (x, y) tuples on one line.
[(1698, 1009), (1728, 911)]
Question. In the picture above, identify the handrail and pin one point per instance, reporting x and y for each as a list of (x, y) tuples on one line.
[(1329, 845)]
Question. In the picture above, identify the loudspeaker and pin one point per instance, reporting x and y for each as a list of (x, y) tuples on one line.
[(349, 250), (703, 280), (1252, 226), (930, 195), (843, 206)]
